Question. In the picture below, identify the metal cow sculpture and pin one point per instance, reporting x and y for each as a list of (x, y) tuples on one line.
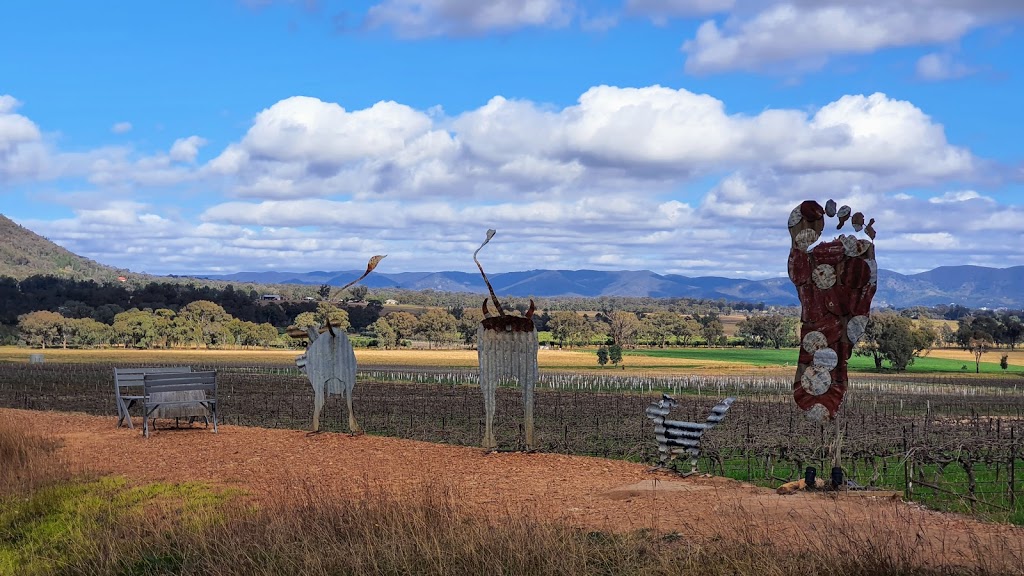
[(330, 363), (676, 437), (835, 282), (506, 348)]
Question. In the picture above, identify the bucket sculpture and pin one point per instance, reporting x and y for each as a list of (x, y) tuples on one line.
[(835, 282), (330, 363), (507, 349), (676, 437)]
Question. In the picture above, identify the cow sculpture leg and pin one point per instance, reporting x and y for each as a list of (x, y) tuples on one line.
[(835, 282), (319, 396), (353, 426)]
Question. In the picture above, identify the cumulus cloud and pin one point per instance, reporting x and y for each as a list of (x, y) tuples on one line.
[(425, 18), (611, 139), (760, 34), (650, 177), (121, 128), (22, 150)]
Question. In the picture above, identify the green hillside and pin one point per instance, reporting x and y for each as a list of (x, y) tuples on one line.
[(24, 253)]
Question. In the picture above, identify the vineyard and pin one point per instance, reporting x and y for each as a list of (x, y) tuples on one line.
[(947, 442)]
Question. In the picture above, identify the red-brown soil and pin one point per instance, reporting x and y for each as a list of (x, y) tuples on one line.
[(588, 492)]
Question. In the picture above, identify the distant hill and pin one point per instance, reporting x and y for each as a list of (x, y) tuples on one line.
[(971, 286), (24, 253)]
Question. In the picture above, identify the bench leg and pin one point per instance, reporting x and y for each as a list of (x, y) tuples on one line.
[(214, 412), (123, 415)]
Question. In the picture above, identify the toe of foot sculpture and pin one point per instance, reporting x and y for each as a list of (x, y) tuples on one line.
[(835, 282)]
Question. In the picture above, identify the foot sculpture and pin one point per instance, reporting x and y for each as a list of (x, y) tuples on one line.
[(835, 282)]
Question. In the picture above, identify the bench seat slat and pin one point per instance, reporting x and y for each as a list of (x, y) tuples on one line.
[(180, 387)]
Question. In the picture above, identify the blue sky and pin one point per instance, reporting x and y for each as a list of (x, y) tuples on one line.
[(674, 135)]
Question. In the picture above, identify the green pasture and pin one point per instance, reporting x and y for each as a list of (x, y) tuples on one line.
[(765, 357), (992, 500)]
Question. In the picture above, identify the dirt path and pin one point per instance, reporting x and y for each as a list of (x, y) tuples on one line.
[(588, 492)]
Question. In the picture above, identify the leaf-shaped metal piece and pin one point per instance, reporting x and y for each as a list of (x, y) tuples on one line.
[(369, 268)]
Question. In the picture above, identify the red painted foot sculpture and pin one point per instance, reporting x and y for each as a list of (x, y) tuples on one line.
[(835, 282)]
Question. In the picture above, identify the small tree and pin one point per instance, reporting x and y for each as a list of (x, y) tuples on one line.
[(978, 346), (1003, 362), (602, 355), (615, 354), (324, 291)]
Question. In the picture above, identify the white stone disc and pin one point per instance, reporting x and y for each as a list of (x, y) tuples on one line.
[(855, 328), (850, 246), (795, 217), (824, 276), (844, 212), (830, 208), (806, 237), (826, 358), (817, 413), (816, 380), (814, 341)]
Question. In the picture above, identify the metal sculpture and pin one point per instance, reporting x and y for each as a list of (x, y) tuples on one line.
[(676, 437), (506, 348), (835, 282), (330, 363)]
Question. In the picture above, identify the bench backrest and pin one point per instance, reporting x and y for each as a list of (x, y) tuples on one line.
[(180, 382), (133, 376), (126, 379)]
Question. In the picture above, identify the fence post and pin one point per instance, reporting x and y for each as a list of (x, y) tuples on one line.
[(908, 490), (1013, 469)]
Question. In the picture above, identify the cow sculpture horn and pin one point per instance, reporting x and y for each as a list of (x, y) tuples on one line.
[(487, 313), (490, 234), (533, 308)]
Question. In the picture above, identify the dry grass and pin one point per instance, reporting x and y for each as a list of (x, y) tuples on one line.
[(308, 530), (1014, 357), (27, 461)]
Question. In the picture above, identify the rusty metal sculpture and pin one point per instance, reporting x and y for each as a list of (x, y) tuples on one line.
[(676, 437), (506, 348), (330, 363), (835, 282)]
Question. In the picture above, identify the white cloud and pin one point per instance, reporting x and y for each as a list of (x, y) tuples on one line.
[(186, 149), (762, 34), (22, 151), (121, 128), (612, 139), (595, 184), (957, 197), (661, 10), (425, 18), (941, 66)]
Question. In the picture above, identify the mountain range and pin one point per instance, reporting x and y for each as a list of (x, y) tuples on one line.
[(24, 253), (971, 286)]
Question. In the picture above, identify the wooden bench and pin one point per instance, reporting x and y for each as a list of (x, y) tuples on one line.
[(128, 387), (177, 389)]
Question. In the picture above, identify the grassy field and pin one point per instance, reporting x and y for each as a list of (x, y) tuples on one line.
[(657, 360), (939, 361)]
